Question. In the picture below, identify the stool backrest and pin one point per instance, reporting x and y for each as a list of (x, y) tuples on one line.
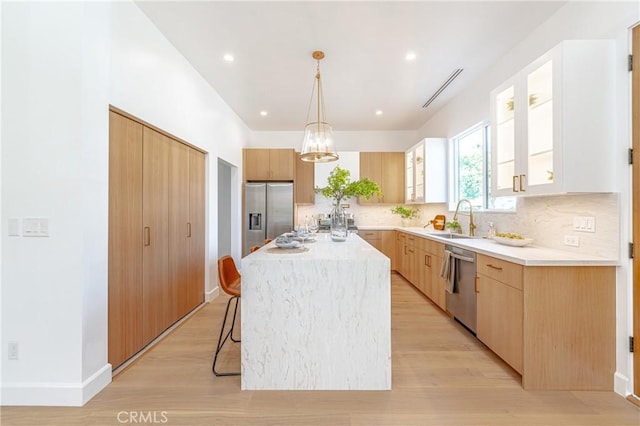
[(229, 275), (254, 248)]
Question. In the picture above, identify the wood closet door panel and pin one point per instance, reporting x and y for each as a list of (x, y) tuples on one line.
[(125, 239), (178, 230), (155, 213), (197, 197)]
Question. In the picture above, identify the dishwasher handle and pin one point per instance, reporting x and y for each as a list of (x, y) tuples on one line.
[(464, 258)]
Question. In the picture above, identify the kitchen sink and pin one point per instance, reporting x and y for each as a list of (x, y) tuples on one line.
[(449, 236)]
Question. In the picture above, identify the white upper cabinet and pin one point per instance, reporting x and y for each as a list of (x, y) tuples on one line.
[(426, 172), (552, 123)]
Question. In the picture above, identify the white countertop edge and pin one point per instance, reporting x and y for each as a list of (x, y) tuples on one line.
[(527, 256)]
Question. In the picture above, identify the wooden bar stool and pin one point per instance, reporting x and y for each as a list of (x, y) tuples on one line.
[(230, 284)]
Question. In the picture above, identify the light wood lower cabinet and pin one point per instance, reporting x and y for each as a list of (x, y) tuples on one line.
[(499, 320), (384, 241), (553, 324), (156, 234)]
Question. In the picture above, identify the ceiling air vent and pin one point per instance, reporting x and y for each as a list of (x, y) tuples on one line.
[(444, 86)]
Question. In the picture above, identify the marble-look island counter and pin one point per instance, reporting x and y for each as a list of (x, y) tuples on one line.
[(317, 320)]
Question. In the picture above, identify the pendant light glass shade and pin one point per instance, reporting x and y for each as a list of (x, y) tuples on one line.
[(318, 145)]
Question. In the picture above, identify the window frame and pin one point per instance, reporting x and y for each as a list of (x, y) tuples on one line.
[(454, 189)]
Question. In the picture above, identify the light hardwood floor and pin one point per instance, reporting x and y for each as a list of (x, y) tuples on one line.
[(442, 375)]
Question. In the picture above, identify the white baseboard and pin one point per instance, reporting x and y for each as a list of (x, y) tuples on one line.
[(209, 296), (621, 384), (55, 394)]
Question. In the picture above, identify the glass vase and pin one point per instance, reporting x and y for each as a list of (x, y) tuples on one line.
[(339, 227)]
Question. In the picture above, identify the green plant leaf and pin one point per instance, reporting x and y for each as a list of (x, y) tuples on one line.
[(339, 186)]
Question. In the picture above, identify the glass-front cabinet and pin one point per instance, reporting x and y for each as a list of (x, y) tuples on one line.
[(426, 171), (553, 123)]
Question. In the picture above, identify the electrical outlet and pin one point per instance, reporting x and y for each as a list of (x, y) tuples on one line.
[(571, 240), (13, 351)]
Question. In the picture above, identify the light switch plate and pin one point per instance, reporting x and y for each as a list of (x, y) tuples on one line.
[(35, 227), (584, 223)]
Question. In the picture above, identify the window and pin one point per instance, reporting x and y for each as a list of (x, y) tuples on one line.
[(472, 171)]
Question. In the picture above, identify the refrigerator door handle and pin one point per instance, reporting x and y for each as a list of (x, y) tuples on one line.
[(255, 221)]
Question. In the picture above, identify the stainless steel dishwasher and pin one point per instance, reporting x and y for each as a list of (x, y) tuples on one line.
[(462, 302)]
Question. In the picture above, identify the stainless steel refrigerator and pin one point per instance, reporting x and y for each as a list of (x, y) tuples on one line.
[(268, 211)]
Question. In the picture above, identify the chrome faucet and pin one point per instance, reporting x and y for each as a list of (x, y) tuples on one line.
[(472, 226)]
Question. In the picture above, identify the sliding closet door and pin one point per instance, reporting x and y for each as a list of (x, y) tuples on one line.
[(156, 306), (125, 238), (197, 179)]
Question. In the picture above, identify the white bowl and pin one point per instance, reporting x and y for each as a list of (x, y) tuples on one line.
[(515, 242), (287, 244)]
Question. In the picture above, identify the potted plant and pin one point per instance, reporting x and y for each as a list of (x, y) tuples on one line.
[(406, 213), (339, 187), (454, 227)]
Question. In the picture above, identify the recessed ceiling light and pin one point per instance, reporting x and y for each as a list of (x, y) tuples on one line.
[(378, 112), (264, 113), (228, 57), (410, 56)]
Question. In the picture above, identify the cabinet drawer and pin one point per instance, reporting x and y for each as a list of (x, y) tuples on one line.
[(370, 235), (501, 270)]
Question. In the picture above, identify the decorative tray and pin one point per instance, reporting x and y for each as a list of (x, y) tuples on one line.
[(515, 242)]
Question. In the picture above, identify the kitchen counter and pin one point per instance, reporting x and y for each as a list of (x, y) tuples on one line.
[(527, 256), (317, 320)]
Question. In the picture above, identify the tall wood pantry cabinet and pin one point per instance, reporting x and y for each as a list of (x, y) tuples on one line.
[(156, 234)]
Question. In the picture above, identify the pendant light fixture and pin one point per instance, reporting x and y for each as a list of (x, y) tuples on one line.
[(318, 146)]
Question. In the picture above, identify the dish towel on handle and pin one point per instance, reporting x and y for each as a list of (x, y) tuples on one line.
[(448, 271)]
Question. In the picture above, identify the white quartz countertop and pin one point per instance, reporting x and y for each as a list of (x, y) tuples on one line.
[(529, 255)]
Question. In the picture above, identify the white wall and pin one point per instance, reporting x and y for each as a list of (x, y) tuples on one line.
[(365, 141), (576, 20), (54, 165), (63, 64), (153, 81)]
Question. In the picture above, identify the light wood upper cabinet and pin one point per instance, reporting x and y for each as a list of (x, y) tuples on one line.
[(552, 121), (387, 170), (304, 182), (269, 164)]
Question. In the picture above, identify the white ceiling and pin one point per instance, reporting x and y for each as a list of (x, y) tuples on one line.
[(365, 43)]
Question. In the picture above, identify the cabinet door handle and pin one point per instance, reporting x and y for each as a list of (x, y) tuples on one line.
[(147, 236), (513, 185), (427, 260), (521, 180), (405, 249), (410, 251), (498, 268), (475, 284), (188, 229)]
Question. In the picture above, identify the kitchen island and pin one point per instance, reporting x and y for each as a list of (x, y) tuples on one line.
[(317, 320)]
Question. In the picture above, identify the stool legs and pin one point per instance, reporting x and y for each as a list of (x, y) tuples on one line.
[(221, 340)]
